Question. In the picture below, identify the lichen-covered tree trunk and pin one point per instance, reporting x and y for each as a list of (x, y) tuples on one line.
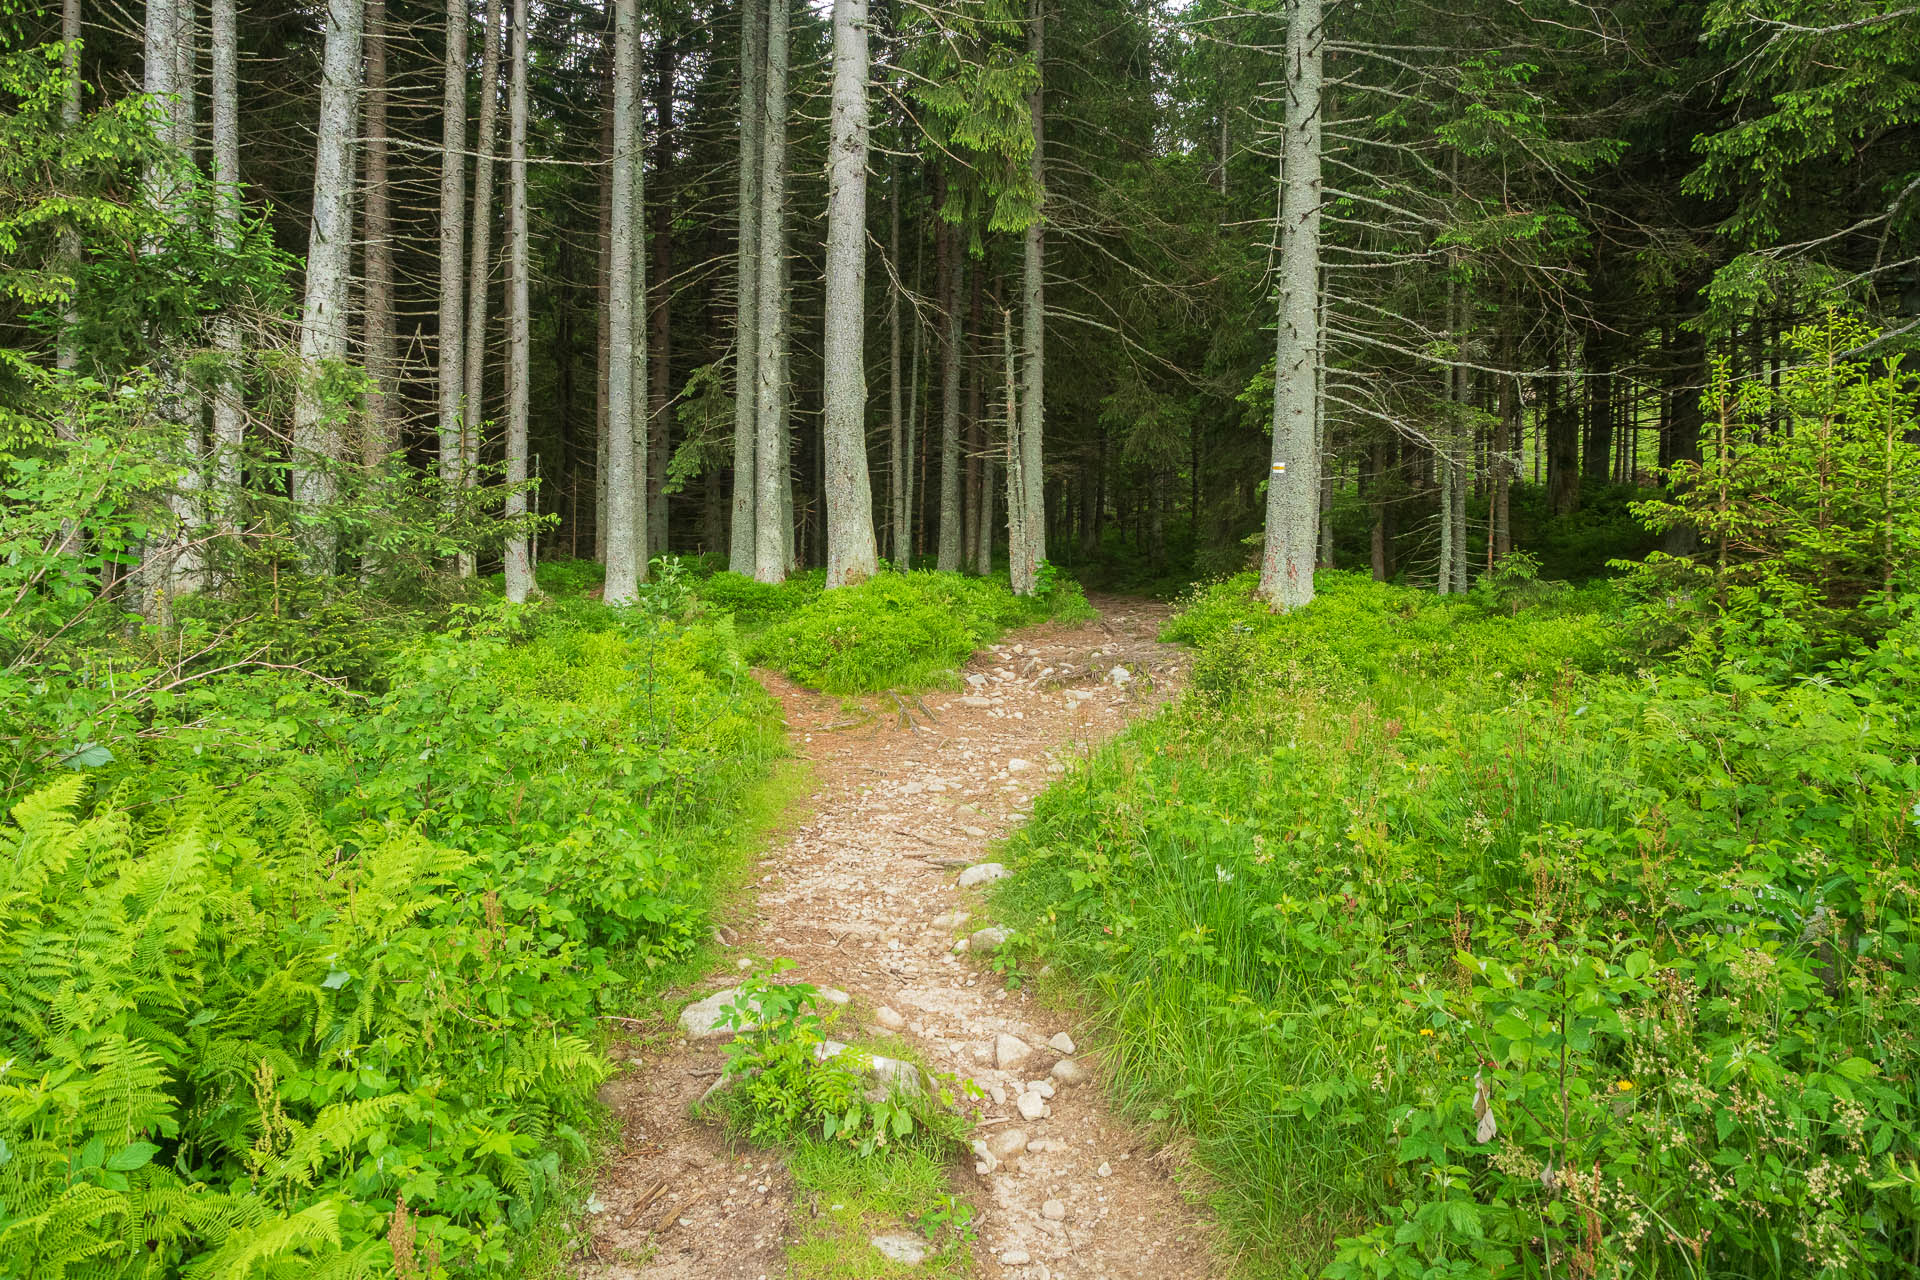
[(603, 347), (473, 414), (851, 556), (660, 304), (622, 574), (951, 266), (896, 457), (1029, 540), (746, 339), (229, 417), (453, 236), (1293, 483), (383, 426), (641, 371), (773, 524), (324, 312), (518, 552)]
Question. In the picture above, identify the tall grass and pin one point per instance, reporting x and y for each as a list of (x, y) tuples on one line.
[(1391, 846)]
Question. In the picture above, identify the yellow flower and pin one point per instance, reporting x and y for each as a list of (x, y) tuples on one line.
[(1624, 1086), (1426, 1031)]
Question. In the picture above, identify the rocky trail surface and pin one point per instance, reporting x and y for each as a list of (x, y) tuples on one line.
[(876, 894)]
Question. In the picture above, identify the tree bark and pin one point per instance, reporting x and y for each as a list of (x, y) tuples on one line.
[(1293, 486), (518, 554), (951, 265), (622, 574), (383, 426), (746, 342), (228, 408), (896, 456), (1028, 526), (660, 336), (773, 532), (453, 236), (67, 356), (473, 415), (973, 440), (1563, 439), (603, 345), (324, 313), (851, 555), (642, 545)]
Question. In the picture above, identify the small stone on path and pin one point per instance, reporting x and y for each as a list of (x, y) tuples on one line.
[(889, 1018), (1010, 1051), (1068, 1071), (1007, 1143), (908, 1251), (1032, 1106), (983, 873), (704, 1019), (991, 938), (1063, 1042), (1053, 1211)]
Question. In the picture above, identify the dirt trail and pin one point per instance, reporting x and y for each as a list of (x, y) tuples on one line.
[(862, 896)]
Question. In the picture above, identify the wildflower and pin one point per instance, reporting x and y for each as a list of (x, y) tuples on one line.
[(1426, 1031), (1221, 874), (1623, 1086)]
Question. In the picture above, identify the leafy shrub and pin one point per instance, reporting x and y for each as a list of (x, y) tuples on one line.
[(785, 1080), (1459, 961), (315, 972), (1805, 507), (755, 604), (910, 630), (1361, 634)]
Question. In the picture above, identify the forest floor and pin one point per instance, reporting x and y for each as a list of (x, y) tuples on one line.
[(862, 894)]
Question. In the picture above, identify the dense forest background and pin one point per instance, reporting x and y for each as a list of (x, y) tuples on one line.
[(1542, 225)]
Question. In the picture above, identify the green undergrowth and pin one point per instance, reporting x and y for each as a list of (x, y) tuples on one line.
[(848, 1201), (868, 1133), (312, 979), (1459, 952), (893, 631)]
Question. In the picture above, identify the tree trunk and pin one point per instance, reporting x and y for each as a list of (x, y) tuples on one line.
[(773, 531), (851, 555), (909, 532), (67, 355), (746, 341), (229, 416), (660, 336), (603, 346), (1293, 485), (896, 451), (453, 235), (518, 556), (642, 546), (1563, 439), (1028, 528), (324, 313), (383, 371), (622, 574), (1460, 438), (948, 558), (1506, 434), (473, 415), (973, 440), (1595, 456)]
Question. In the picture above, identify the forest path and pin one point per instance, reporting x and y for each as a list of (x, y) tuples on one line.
[(862, 895)]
